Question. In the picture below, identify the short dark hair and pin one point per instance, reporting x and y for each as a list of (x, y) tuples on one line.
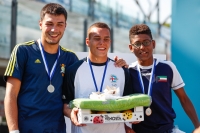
[(54, 9), (139, 29), (98, 25)]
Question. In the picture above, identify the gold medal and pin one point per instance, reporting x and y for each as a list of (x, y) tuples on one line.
[(148, 111), (50, 88)]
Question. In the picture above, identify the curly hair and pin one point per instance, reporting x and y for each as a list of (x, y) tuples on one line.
[(139, 29), (53, 9)]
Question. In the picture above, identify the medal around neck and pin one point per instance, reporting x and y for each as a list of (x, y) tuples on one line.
[(148, 111), (50, 88)]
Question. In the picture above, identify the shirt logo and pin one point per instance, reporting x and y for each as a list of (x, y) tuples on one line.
[(37, 61), (113, 78), (161, 78), (62, 69)]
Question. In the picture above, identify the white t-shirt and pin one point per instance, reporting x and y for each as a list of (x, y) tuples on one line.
[(83, 86)]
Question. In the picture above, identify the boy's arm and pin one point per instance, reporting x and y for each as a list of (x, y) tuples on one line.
[(72, 114), (10, 102)]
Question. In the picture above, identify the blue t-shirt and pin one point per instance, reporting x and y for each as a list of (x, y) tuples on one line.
[(165, 78), (39, 111)]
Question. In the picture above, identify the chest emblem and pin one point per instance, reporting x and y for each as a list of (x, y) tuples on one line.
[(62, 69), (113, 78)]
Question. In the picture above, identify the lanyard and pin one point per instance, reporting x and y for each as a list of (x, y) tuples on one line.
[(150, 81), (94, 77), (51, 73)]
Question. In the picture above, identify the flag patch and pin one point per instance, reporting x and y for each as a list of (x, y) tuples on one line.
[(161, 78)]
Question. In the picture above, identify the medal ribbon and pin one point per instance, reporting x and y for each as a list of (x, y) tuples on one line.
[(150, 81), (50, 74), (94, 77)]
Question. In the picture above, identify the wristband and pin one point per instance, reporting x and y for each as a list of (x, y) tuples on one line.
[(14, 131)]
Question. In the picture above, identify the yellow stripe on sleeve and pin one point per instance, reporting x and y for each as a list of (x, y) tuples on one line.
[(67, 50), (12, 61)]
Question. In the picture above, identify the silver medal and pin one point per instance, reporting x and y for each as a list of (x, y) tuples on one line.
[(50, 88), (148, 111)]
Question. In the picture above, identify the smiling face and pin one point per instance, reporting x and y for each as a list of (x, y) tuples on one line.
[(98, 42), (143, 53), (52, 27)]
